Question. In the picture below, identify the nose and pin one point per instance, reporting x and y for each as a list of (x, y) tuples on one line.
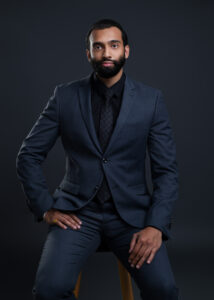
[(106, 53)]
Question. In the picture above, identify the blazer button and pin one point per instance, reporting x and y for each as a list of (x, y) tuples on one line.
[(105, 160)]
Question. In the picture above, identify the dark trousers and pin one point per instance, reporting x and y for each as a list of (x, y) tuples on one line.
[(66, 250)]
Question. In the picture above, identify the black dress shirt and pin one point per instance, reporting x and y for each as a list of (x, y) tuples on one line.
[(98, 90)]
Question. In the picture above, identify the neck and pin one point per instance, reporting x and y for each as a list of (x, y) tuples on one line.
[(112, 80)]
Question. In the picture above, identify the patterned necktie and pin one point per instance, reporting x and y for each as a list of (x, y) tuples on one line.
[(105, 130), (106, 120)]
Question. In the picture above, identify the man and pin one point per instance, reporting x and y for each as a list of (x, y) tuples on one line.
[(105, 121)]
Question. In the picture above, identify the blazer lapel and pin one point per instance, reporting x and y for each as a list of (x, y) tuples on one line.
[(86, 109)]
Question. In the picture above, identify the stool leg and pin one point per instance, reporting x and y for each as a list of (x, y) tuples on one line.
[(125, 282), (77, 286)]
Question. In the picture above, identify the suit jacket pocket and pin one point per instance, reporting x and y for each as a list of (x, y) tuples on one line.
[(139, 188), (69, 187)]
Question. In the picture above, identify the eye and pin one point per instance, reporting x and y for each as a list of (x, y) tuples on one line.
[(97, 47), (116, 45)]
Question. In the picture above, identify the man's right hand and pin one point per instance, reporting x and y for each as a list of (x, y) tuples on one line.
[(54, 216)]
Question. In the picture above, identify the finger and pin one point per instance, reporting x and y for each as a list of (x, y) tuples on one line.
[(73, 221), (135, 250), (142, 259), (60, 224), (133, 242), (138, 253), (76, 218), (69, 221), (151, 256)]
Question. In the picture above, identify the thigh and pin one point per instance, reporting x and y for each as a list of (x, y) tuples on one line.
[(64, 253), (155, 280)]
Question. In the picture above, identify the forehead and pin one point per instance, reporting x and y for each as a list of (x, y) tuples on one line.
[(105, 35)]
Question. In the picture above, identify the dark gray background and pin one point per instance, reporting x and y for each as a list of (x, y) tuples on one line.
[(42, 46)]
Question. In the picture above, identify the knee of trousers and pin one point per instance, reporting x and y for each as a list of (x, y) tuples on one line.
[(45, 290)]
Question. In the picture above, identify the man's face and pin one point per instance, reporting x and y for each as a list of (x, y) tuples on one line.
[(107, 53)]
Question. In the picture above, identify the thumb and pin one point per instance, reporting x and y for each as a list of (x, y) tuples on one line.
[(133, 242)]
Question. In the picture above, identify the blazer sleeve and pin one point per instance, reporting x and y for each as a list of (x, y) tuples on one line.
[(33, 152), (164, 170)]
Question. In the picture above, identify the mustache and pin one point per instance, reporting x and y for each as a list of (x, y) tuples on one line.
[(108, 60)]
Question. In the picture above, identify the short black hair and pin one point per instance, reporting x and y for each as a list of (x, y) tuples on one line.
[(106, 23)]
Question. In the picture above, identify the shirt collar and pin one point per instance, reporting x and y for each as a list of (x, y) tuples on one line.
[(115, 89)]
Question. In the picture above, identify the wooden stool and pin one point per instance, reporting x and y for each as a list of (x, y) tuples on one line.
[(125, 277)]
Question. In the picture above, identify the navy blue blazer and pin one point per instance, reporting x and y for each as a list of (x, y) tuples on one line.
[(143, 123)]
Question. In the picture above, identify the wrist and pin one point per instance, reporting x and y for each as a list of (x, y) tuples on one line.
[(155, 228)]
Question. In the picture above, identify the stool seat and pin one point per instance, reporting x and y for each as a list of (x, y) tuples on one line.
[(125, 277)]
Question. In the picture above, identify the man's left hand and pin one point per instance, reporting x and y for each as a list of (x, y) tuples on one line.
[(144, 245)]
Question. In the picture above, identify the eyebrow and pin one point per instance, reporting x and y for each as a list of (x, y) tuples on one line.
[(100, 43)]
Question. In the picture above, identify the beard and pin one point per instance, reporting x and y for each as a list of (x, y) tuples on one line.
[(110, 71)]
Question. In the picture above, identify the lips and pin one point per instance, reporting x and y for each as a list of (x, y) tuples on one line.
[(107, 63)]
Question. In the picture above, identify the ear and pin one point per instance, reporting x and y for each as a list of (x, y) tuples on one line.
[(127, 51), (88, 55)]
